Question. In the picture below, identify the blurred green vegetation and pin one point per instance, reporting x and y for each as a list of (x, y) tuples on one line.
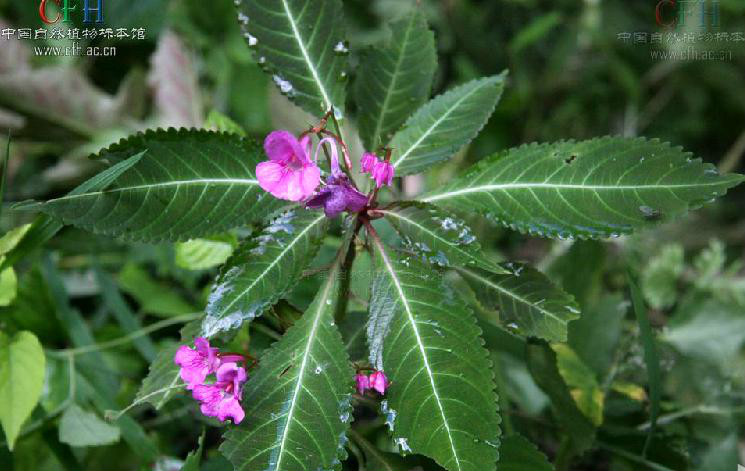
[(571, 77)]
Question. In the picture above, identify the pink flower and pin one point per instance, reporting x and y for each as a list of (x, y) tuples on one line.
[(363, 383), (196, 363), (368, 162), (289, 174), (381, 171), (379, 382), (222, 399)]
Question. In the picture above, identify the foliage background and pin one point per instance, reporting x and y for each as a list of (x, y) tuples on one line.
[(570, 77)]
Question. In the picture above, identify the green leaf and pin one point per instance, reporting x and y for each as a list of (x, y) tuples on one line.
[(4, 175), (203, 254), (527, 298), (82, 428), (710, 331), (352, 330), (153, 296), (578, 428), (444, 125), (441, 402), (301, 43), (596, 188), (263, 269), (220, 122), (115, 303), (516, 453), (44, 227), (103, 385), (378, 460), (581, 382), (10, 240), (595, 336), (660, 277), (298, 404), (191, 463), (437, 236), (651, 358), (395, 78), (21, 381), (190, 183), (8, 286)]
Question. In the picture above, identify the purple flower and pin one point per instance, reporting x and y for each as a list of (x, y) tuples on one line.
[(381, 171), (337, 196), (289, 174), (379, 382), (196, 363), (222, 399), (363, 383)]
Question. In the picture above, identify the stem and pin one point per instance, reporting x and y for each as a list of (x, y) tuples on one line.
[(127, 338), (564, 455), (735, 154), (702, 409), (266, 330), (347, 162), (632, 457), (346, 277), (366, 447)]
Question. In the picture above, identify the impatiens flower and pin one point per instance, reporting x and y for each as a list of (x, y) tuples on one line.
[(196, 363), (222, 399), (289, 174), (380, 170), (383, 173), (338, 194), (379, 382), (368, 162), (363, 383)]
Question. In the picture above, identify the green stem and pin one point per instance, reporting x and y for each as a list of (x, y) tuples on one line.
[(564, 456), (632, 457), (127, 338), (367, 448), (346, 277)]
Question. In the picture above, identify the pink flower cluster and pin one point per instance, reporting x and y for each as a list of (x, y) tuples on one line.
[(291, 174), (377, 381), (220, 398), (380, 170)]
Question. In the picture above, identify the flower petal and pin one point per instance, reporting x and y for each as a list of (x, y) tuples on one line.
[(230, 407), (282, 146), (272, 177)]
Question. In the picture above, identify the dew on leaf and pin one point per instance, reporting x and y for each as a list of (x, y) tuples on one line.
[(284, 86), (341, 48), (252, 41), (403, 445), (390, 415), (242, 17)]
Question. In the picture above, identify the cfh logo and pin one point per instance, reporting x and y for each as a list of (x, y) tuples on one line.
[(678, 13), (65, 7)]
